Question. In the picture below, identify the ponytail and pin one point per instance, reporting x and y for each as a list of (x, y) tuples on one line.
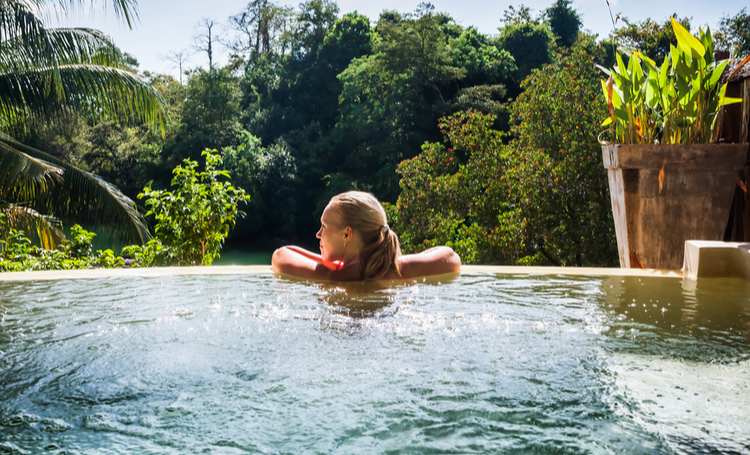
[(376, 259)]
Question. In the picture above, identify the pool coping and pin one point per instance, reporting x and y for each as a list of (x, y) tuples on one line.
[(48, 275)]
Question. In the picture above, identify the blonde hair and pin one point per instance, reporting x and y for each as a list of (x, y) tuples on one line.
[(363, 213)]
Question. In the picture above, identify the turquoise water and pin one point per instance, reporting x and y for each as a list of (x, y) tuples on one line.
[(474, 364)]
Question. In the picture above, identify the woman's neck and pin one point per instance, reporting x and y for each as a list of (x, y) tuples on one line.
[(349, 258)]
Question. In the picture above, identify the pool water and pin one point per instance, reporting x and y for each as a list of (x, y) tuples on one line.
[(471, 364)]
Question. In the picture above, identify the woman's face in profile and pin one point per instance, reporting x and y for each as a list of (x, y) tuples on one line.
[(331, 235)]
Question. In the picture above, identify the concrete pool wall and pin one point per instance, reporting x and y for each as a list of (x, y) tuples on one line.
[(266, 269), (710, 259)]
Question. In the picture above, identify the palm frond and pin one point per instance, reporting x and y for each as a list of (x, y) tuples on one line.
[(102, 91), (56, 46), (125, 9), (45, 230), (44, 72), (87, 198), (17, 19), (22, 176)]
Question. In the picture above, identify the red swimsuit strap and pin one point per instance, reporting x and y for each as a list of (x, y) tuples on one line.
[(340, 264)]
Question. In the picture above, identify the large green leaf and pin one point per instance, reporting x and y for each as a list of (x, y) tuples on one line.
[(716, 73), (687, 42), (49, 73), (652, 93)]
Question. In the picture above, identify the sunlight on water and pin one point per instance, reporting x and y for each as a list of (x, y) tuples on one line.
[(473, 364)]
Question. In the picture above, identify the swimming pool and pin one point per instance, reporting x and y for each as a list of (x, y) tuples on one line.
[(479, 363)]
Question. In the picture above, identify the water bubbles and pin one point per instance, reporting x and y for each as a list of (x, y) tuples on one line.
[(54, 425), (9, 449), (18, 419)]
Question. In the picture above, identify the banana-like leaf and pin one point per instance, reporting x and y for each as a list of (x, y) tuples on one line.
[(645, 59), (46, 230), (708, 42), (652, 90), (603, 69), (636, 77), (622, 69), (686, 41), (716, 73), (87, 198), (674, 54)]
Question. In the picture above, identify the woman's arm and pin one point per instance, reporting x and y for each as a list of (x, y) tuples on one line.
[(314, 256), (434, 261), (305, 264)]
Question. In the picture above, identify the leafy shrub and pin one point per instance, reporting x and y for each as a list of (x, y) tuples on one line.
[(462, 205), (193, 220), (560, 184), (17, 253)]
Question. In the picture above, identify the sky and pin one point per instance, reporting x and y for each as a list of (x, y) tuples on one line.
[(166, 26)]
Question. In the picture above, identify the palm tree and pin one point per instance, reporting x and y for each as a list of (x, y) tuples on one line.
[(48, 74)]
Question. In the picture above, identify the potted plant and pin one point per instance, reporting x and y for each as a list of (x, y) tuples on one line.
[(669, 180)]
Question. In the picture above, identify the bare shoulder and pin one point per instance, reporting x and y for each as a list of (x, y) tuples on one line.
[(304, 264), (435, 261)]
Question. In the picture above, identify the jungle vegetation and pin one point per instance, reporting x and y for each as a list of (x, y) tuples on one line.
[(488, 143)]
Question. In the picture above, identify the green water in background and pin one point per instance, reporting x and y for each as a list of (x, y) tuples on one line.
[(240, 257), (230, 255), (473, 364)]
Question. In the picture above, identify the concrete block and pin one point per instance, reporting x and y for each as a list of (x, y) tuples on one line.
[(716, 259)]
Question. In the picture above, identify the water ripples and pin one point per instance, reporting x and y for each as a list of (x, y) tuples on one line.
[(474, 364)]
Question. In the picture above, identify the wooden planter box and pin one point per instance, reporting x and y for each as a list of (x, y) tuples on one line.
[(693, 204)]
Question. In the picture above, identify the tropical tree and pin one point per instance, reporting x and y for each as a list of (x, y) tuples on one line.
[(564, 22), (48, 74), (734, 34)]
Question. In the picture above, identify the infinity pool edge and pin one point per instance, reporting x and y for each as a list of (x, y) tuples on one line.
[(266, 269)]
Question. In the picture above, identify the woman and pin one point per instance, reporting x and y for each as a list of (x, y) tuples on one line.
[(357, 244)]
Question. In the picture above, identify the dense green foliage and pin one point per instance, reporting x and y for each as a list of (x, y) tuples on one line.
[(486, 143), (675, 103), (17, 253), (564, 22), (561, 189), (541, 199), (193, 220)]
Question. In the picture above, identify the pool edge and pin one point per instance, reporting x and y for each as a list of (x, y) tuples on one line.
[(49, 275)]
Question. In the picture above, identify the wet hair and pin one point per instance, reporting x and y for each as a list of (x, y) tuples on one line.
[(364, 213)]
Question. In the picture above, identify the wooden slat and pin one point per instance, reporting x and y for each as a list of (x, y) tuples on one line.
[(617, 195), (692, 156)]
